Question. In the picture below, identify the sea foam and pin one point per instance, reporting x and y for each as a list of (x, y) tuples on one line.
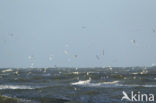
[(15, 87)]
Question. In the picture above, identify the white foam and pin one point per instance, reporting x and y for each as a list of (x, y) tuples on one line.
[(75, 73), (114, 84), (135, 73), (88, 83), (136, 85), (144, 72), (7, 70), (85, 82), (15, 87)]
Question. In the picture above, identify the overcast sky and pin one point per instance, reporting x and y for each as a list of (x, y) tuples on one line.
[(32, 30)]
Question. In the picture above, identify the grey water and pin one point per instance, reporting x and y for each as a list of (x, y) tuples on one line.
[(72, 85)]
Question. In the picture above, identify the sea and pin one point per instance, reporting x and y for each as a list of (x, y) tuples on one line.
[(76, 85)]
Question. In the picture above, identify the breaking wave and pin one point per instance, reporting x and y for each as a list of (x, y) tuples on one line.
[(15, 87), (87, 83)]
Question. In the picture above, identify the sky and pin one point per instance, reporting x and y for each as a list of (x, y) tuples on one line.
[(74, 33)]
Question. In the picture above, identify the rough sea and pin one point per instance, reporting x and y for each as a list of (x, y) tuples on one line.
[(76, 85)]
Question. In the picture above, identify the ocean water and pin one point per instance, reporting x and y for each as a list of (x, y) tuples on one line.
[(70, 85)]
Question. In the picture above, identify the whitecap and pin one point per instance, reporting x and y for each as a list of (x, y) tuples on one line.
[(7, 70), (136, 85), (85, 82), (135, 73), (15, 87), (75, 73), (114, 84)]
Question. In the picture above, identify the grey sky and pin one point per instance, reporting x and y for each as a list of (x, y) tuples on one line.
[(41, 28)]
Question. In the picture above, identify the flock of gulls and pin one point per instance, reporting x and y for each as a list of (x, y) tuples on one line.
[(32, 59), (66, 52), (51, 56)]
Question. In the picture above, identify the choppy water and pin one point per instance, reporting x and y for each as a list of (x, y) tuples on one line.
[(70, 85)]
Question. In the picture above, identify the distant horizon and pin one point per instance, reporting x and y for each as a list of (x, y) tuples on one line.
[(73, 67)]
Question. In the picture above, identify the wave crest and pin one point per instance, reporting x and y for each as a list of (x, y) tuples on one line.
[(15, 87)]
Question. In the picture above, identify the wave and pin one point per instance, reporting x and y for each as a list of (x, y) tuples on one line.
[(82, 82), (136, 85), (114, 84), (7, 70), (15, 87), (88, 83)]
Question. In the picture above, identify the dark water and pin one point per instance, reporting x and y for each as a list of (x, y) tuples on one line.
[(70, 85)]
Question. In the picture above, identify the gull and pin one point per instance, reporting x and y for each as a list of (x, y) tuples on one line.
[(133, 41), (65, 52), (32, 64), (51, 57), (11, 34), (97, 57), (83, 27), (110, 68), (30, 57), (17, 72), (55, 66), (75, 56)]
